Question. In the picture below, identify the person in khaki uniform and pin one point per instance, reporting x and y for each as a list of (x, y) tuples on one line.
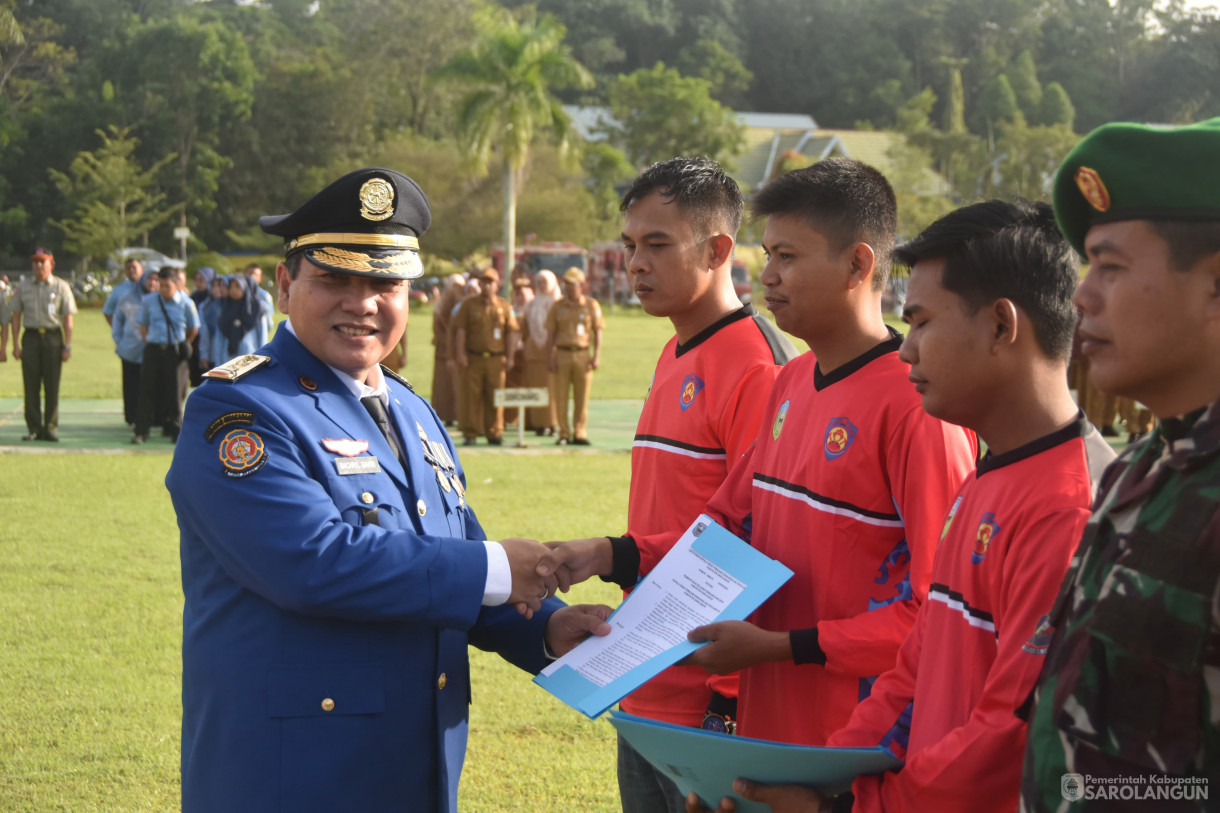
[(575, 327), (46, 305), (485, 339), (444, 387)]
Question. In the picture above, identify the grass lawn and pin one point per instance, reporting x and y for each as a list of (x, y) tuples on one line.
[(90, 593)]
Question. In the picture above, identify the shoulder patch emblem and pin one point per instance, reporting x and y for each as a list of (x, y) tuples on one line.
[(225, 421), (778, 426), (345, 447), (988, 530), (236, 368), (242, 453), (692, 385), (839, 436), (1040, 641)]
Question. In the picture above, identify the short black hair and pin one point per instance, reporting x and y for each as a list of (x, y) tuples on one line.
[(1006, 250), (845, 200), (1189, 241), (167, 272), (699, 186)]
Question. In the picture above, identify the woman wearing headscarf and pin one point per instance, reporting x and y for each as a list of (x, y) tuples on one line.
[(209, 323), (200, 296), (238, 321), (543, 420)]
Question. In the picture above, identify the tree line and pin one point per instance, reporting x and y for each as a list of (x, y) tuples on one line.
[(130, 117)]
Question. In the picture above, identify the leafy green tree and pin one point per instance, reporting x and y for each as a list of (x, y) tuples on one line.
[(728, 77), (1028, 157), (605, 167), (32, 61), (1056, 108), (186, 81), (659, 113), (1025, 85), (112, 203), (511, 72)]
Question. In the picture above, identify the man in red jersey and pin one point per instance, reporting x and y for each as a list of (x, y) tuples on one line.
[(989, 304), (847, 483), (703, 410)]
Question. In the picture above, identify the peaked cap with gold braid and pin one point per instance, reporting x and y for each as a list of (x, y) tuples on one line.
[(367, 223)]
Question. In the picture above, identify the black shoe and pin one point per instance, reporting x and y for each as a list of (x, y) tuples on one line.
[(581, 442), (51, 436), (468, 441), (137, 440), (1109, 432), (540, 431), (495, 441)]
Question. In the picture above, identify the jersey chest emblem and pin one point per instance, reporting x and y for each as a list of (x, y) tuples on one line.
[(691, 387), (988, 530), (778, 426), (839, 436)]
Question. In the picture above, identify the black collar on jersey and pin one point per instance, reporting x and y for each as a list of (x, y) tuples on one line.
[(1076, 429), (744, 312), (890, 345)]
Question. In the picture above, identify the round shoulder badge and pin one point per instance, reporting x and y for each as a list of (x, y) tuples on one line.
[(242, 453), (839, 435)]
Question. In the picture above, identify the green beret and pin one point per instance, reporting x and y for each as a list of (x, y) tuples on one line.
[(1139, 172)]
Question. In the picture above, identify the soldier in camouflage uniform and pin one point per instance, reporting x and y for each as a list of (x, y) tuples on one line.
[(1127, 712)]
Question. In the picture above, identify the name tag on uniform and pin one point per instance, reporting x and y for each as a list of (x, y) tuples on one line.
[(495, 333), (580, 329), (357, 465)]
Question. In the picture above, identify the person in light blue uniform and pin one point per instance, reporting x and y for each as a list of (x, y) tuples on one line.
[(333, 571), (121, 309), (166, 320), (209, 324), (238, 323)]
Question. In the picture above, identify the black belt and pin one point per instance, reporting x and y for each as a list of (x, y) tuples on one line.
[(484, 353), (572, 349), (42, 331)]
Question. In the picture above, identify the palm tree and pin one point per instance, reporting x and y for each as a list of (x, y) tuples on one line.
[(511, 70)]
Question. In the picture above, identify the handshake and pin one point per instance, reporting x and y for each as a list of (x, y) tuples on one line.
[(541, 570)]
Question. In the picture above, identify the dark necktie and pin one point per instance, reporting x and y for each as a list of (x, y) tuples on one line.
[(373, 404)]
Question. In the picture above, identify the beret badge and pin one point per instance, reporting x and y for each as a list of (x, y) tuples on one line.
[(376, 199), (1094, 191)]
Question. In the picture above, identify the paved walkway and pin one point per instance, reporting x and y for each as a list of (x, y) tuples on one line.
[(96, 425)]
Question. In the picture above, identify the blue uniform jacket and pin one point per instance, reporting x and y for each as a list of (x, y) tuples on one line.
[(324, 663)]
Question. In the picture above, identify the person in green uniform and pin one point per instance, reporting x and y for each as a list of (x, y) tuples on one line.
[(1127, 711), (44, 304)]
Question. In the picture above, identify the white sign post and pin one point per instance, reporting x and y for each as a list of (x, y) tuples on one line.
[(522, 397)]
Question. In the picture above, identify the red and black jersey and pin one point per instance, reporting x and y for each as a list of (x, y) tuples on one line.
[(847, 485), (703, 410), (948, 706)]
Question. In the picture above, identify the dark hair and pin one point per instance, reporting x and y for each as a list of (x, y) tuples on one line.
[(998, 249), (293, 261), (846, 201), (700, 188), (167, 272), (1189, 241)]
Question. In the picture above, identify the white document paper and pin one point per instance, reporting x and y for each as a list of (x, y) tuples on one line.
[(709, 575), (683, 592)]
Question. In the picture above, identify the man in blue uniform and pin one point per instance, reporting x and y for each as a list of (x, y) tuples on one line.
[(333, 571)]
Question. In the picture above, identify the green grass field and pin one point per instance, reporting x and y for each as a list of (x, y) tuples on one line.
[(91, 602)]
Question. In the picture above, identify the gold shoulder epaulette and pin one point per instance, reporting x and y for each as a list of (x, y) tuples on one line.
[(387, 371), (236, 368)]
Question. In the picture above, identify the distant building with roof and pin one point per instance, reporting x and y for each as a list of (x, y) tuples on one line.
[(770, 138)]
